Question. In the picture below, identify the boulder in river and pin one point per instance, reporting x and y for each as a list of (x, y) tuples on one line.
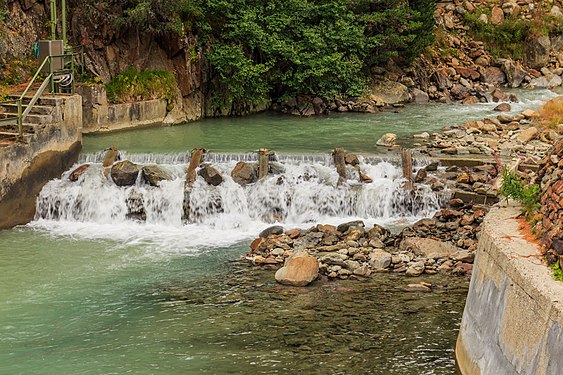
[(244, 173), (345, 226), (154, 174), (502, 107), (276, 229), (300, 270), (387, 140), (428, 247), (211, 175), (124, 173), (379, 259)]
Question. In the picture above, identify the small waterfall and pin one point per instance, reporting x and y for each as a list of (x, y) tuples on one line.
[(304, 190)]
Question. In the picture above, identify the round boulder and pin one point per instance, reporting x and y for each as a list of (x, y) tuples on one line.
[(244, 173), (210, 175), (299, 270), (124, 173), (153, 174)]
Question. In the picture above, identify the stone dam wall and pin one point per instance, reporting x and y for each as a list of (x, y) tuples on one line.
[(513, 317), (25, 167)]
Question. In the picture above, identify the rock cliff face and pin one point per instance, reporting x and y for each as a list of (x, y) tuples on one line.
[(457, 68)]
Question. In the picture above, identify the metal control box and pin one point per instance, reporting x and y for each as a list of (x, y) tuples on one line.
[(51, 48)]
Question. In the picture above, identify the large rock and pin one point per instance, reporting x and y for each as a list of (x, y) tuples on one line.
[(345, 226), (275, 229), (124, 173), (514, 72), (428, 247), (244, 173), (299, 270), (387, 140), (493, 76), (154, 174), (538, 52), (379, 259), (389, 92), (210, 175), (527, 135), (415, 269), (419, 96), (497, 16)]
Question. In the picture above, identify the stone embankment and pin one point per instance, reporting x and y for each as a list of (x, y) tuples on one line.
[(513, 318), (26, 166), (550, 223)]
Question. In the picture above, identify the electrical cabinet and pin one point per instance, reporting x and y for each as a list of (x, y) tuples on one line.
[(51, 48)]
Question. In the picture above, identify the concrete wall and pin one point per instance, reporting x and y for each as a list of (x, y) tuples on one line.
[(513, 317), (26, 167), (101, 116)]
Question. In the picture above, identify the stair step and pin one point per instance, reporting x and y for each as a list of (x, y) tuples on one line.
[(35, 110), (4, 121), (46, 100)]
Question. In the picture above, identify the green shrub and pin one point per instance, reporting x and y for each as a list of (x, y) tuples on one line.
[(557, 272), (526, 193), (132, 86)]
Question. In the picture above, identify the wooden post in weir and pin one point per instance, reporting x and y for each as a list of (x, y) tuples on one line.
[(263, 156), (195, 161), (406, 162), (339, 158)]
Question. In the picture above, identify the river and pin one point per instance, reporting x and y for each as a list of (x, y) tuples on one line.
[(85, 289)]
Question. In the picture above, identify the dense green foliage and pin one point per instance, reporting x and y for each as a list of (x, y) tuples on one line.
[(275, 49), (132, 85), (508, 40), (516, 188)]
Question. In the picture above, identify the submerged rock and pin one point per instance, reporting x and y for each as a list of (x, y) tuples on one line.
[(387, 140), (299, 270), (124, 173)]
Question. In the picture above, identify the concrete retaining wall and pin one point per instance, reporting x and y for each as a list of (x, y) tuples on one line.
[(513, 317), (26, 167), (101, 116)]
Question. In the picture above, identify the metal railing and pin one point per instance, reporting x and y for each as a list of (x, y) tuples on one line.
[(68, 67)]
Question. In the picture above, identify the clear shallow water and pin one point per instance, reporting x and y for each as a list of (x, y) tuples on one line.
[(72, 306), (87, 296), (356, 132)]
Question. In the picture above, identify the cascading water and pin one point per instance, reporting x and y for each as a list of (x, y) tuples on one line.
[(303, 190)]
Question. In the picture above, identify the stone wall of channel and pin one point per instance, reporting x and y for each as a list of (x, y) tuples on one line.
[(25, 167), (513, 317), (101, 116)]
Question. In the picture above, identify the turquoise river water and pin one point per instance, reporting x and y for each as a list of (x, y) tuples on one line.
[(84, 289)]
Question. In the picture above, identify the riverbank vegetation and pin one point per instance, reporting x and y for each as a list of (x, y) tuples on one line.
[(132, 86), (551, 113), (277, 49)]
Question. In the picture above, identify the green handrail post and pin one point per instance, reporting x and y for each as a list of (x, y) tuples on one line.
[(20, 119), (53, 19), (63, 15)]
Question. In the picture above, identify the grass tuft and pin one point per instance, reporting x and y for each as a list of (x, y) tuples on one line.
[(551, 113)]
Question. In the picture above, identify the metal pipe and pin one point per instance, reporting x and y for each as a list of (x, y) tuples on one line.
[(20, 120), (53, 19)]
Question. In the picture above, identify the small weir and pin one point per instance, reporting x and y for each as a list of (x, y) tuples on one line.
[(297, 190)]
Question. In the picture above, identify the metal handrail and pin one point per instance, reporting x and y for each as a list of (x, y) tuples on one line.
[(49, 78)]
